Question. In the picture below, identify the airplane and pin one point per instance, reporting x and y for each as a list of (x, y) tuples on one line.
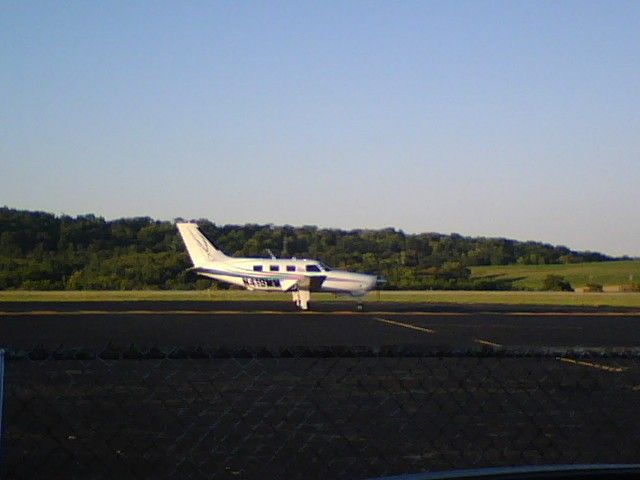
[(298, 276)]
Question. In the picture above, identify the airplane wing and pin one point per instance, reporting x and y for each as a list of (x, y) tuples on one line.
[(287, 285), (311, 283), (304, 283)]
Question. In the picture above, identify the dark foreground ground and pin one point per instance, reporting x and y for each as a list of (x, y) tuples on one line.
[(488, 387)]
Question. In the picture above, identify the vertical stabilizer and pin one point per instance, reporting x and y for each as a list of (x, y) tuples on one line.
[(200, 249)]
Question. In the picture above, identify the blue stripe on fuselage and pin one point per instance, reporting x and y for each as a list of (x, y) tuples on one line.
[(268, 275)]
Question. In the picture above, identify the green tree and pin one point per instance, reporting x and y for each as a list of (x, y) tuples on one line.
[(39, 250)]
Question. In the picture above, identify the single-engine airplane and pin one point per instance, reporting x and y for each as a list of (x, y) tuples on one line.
[(298, 276)]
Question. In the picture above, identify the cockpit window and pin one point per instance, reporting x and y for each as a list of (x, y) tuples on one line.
[(313, 268)]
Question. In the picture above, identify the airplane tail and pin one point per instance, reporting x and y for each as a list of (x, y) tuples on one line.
[(200, 249)]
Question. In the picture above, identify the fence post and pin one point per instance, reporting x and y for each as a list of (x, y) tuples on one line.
[(1, 397)]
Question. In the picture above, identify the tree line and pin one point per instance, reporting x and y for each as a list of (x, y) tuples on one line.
[(42, 251)]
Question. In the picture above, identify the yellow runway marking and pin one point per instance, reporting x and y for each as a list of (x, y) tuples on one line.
[(110, 312), (405, 325), (198, 312), (606, 368), (166, 312), (568, 314), (486, 342), (499, 326), (8, 313), (511, 314), (137, 312)]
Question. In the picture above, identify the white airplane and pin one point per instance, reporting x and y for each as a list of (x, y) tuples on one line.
[(300, 277)]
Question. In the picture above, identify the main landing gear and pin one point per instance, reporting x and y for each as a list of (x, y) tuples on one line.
[(301, 299)]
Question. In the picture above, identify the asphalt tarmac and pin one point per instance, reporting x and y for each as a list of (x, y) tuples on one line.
[(305, 417), (272, 325)]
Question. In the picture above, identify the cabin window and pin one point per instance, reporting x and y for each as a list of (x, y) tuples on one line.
[(313, 268), (291, 268), (274, 268), (257, 268)]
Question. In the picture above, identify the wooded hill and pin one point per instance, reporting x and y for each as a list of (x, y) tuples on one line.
[(43, 251)]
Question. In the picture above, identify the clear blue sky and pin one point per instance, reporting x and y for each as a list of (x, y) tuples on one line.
[(515, 119)]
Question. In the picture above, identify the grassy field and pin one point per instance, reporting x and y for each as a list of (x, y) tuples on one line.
[(609, 274), (452, 297)]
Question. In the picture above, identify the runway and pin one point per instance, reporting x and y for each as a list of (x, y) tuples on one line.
[(272, 325)]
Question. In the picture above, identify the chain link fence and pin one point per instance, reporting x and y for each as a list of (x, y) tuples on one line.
[(325, 413)]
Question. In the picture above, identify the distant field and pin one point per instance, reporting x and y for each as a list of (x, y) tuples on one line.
[(452, 297), (609, 274)]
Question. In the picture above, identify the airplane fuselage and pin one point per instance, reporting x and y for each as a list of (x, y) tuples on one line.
[(282, 274)]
